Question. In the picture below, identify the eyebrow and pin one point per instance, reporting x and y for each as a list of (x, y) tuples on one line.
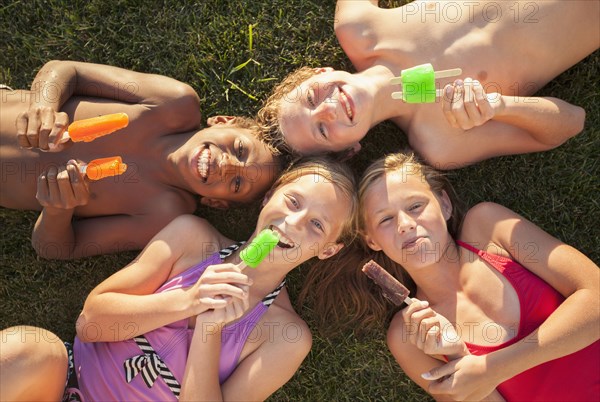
[(384, 209)]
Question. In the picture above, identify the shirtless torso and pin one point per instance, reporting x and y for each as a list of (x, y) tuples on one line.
[(512, 48)]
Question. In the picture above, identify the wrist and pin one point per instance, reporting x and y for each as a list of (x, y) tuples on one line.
[(499, 103), (66, 213), (464, 351)]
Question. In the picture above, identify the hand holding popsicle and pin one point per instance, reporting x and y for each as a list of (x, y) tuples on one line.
[(418, 83)]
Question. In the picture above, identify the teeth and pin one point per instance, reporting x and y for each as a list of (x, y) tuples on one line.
[(204, 163), (284, 241), (346, 104)]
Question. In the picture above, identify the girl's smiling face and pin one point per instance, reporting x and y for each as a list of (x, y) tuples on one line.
[(406, 220), (308, 214)]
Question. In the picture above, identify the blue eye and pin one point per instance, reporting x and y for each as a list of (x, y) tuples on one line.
[(319, 226), (292, 200)]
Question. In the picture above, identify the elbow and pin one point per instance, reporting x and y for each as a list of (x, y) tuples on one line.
[(82, 329), (51, 250), (578, 121)]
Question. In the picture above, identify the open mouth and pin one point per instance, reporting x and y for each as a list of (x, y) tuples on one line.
[(284, 241), (204, 164), (346, 102)]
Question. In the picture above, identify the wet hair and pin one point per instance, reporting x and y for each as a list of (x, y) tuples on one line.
[(340, 295), (268, 116)]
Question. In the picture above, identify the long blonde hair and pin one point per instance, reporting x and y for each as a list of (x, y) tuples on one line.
[(338, 292)]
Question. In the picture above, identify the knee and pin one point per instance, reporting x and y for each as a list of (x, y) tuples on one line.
[(31, 360), (31, 345)]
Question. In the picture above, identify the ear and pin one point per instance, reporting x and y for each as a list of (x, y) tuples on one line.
[(214, 120), (372, 243), (214, 203), (320, 70), (446, 205), (350, 152), (330, 250)]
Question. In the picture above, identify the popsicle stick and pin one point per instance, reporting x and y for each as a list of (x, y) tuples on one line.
[(396, 81), (453, 72), (398, 95)]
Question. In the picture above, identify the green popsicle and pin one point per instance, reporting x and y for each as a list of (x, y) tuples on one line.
[(418, 84), (259, 248)]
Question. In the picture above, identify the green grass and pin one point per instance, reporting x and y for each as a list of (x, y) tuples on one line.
[(208, 45)]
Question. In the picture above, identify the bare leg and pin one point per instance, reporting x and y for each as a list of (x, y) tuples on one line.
[(33, 365)]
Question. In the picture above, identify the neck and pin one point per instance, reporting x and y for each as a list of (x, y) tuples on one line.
[(378, 78), (440, 281)]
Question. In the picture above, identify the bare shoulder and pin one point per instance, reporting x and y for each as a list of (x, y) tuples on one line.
[(291, 332), (354, 25), (487, 225)]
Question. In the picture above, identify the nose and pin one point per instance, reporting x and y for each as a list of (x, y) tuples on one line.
[(405, 223), (229, 165), (326, 111), (295, 218)]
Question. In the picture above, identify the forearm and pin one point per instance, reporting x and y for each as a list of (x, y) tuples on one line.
[(550, 121), (112, 316), (570, 328), (54, 84), (53, 236), (201, 378)]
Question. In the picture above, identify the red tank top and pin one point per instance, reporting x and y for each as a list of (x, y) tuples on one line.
[(575, 377)]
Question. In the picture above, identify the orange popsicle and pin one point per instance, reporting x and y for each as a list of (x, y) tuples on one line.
[(89, 129), (104, 167)]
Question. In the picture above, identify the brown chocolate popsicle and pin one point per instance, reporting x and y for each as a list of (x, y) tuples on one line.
[(396, 292)]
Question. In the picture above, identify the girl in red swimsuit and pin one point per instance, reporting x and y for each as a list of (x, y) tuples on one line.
[(502, 311)]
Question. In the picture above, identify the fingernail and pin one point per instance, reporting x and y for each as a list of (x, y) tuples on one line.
[(51, 145), (426, 376), (448, 90), (72, 161)]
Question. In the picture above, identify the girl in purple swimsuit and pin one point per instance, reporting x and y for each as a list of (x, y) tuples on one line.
[(523, 305), (167, 327)]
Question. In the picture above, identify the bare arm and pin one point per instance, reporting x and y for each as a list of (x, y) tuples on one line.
[(574, 324), (570, 328), (126, 299), (56, 235), (480, 125), (415, 361), (57, 81)]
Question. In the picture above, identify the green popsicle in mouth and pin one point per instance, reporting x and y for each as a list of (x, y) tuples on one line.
[(259, 248)]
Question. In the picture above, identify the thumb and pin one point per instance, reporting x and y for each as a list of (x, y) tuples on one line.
[(439, 372)]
